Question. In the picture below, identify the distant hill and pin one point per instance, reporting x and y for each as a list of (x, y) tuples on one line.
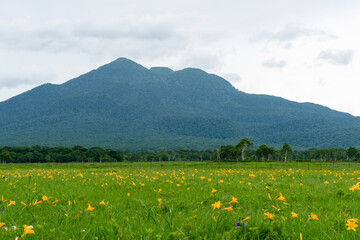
[(125, 106)]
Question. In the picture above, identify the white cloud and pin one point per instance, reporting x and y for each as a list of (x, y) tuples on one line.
[(45, 41), (273, 63), (290, 33), (337, 57), (232, 77)]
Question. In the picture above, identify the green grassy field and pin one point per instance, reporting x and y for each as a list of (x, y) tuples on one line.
[(179, 201)]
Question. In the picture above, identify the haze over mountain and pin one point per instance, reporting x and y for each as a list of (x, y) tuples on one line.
[(125, 106)]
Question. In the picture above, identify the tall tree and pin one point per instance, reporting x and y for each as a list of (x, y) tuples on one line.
[(244, 144), (285, 150), (265, 151), (352, 152), (5, 157), (227, 152)]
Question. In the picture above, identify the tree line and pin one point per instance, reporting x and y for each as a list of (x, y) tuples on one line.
[(243, 151)]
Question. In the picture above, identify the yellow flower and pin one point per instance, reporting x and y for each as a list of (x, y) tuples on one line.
[(213, 190), (326, 182), (280, 198), (228, 208), (102, 202), (269, 216), (351, 225), (353, 220), (90, 208), (216, 205), (221, 181), (11, 203), (313, 216), (28, 229), (294, 215), (45, 198), (355, 187), (233, 200)]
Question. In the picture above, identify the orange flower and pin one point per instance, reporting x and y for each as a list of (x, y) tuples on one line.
[(280, 198), (2, 224), (293, 215), (233, 200), (351, 224), (90, 208), (45, 198), (216, 205), (355, 187), (276, 208), (354, 220), (24, 204), (228, 208), (213, 190), (11, 203), (313, 216), (102, 202), (269, 216), (55, 201), (28, 229)]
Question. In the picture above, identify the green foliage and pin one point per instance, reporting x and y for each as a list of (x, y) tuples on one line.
[(227, 153), (5, 157)]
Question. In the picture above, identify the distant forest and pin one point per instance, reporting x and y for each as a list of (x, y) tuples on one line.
[(243, 151)]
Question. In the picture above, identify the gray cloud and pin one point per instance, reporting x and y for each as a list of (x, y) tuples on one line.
[(273, 63), (337, 57), (293, 32), (207, 61), (14, 82), (143, 31), (232, 77)]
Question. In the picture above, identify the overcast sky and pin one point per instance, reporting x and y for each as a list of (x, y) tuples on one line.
[(304, 50)]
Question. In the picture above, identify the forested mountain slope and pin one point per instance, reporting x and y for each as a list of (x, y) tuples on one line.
[(125, 106)]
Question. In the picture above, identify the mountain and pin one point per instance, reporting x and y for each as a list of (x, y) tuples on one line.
[(125, 106)]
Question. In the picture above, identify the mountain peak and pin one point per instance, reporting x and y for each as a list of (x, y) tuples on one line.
[(126, 106), (123, 63)]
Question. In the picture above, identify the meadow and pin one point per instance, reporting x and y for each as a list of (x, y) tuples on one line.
[(180, 201)]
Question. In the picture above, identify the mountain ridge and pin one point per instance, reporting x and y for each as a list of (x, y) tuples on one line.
[(126, 106)]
